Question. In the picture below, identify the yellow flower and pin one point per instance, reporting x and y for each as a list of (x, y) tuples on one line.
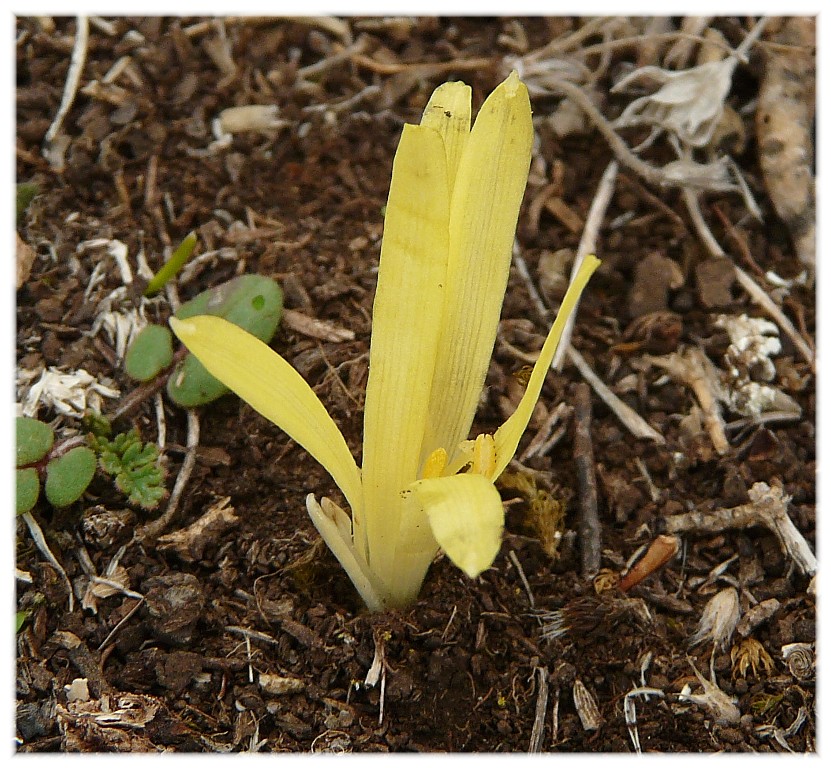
[(448, 234)]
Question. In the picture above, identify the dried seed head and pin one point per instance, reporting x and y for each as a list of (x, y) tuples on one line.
[(720, 617), (750, 654)]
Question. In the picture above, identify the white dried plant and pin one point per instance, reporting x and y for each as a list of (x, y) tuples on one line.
[(120, 327), (753, 341), (67, 393), (721, 706), (749, 367), (687, 104)]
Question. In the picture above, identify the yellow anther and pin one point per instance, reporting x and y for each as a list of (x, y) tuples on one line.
[(484, 456), (435, 464)]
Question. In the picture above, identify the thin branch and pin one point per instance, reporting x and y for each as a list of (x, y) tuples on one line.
[(154, 528), (40, 542), (635, 423), (620, 149), (73, 77), (515, 561), (538, 729), (627, 416), (588, 244), (589, 523), (768, 507), (692, 368)]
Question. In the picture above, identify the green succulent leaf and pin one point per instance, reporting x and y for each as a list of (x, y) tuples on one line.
[(34, 439), (134, 466), (150, 353), (28, 489), (69, 475), (20, 620), (253, 302), (190, 385)]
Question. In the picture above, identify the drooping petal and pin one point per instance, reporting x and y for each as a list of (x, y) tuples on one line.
[(466, 517), (448, 112), (406, 321), (273, 388), (490, 182), (329, 519), (508, 435)]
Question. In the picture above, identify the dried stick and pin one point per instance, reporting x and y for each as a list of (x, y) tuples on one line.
[(635, 423), (73, 77), (620, 149), (538, 729), (589, 525), (40, 542), (693, 369), (768, 507), (426, 69), (154, 528), (588, 244), (515, 560)]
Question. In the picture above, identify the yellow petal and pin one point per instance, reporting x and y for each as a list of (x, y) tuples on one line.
[(466, 517), (448, 112), (273, 388), (508, 435), (406, 321), (490, 182), (329, 520)]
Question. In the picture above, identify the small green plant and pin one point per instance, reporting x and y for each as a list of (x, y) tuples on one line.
[(67, 468), (134, 466), (171, 267), (252, 302)]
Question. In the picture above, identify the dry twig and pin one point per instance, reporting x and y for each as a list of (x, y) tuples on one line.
[(40, 542), (538, 729), (154, 528), (691, 367), (589, 524), (52, 150), (743, 278), (630, 419), (768, 507), (588, 244)]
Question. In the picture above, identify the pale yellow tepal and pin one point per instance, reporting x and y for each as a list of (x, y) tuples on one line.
[(448, 234)]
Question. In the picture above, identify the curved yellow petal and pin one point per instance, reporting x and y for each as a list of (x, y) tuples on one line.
[(448, 112), (406, 320), (466, 518), (273, 388), (489, 186), (330, 521), (507, 437)]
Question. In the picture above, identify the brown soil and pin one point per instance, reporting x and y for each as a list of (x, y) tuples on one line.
[(464, 668)]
